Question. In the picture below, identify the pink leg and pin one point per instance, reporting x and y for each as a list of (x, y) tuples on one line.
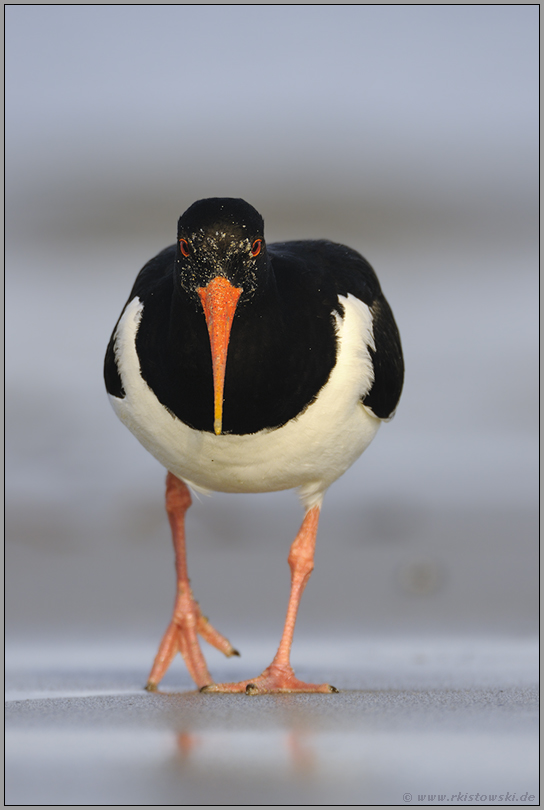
[(187, 620), (279, 676)]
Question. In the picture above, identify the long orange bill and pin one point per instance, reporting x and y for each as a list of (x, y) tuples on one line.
[(219, 300)]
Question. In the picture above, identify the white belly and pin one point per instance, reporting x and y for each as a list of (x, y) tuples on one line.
[(309, 452)]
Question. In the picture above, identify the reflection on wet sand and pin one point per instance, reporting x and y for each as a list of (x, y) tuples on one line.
[(198, 749)]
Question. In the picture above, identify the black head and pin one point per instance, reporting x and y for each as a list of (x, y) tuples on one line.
[(221, 236)]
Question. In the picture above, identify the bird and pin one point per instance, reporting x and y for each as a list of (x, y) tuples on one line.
[(250, 367)]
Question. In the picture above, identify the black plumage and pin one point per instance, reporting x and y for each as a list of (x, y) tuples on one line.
[(282, 346)]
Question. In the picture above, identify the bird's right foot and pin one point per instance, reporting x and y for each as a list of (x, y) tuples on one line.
[(182, 636)]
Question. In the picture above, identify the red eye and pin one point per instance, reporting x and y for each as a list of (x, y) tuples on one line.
[(184, 247), (256, 247)]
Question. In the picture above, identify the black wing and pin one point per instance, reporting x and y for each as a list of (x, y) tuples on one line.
[(152, 274), (354, 275)]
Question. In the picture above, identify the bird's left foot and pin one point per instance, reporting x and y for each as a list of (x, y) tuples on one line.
[(275, 678)]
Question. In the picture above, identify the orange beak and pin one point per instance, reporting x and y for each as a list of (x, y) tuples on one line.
[(219, 300)]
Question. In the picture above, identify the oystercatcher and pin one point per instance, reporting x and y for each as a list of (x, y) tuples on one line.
[(247, 367)]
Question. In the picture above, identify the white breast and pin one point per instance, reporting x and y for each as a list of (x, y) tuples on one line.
[(309, 452)]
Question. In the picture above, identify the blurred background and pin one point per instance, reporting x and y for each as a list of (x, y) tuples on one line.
[(407, 132)]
